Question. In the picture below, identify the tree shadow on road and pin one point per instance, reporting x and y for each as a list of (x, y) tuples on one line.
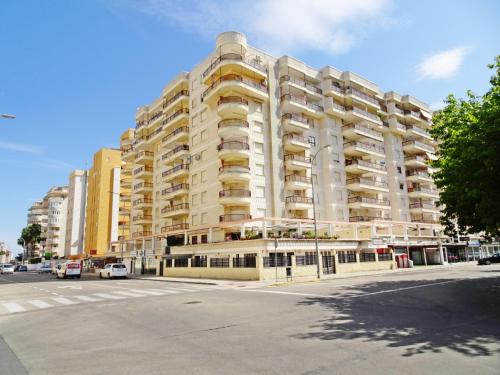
[(459, 315)]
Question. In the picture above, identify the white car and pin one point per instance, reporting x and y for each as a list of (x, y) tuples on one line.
[(70, 269), (6, 268), (111, 270)]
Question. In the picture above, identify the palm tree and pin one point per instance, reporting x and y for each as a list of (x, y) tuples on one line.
[(30, 237)]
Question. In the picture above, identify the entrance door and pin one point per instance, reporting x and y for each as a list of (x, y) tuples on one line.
[(161, 267), (328, 263)]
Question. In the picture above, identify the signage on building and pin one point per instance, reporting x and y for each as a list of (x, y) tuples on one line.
[(93, 252)]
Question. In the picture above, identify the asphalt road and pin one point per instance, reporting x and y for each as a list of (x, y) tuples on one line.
[(442, 321)]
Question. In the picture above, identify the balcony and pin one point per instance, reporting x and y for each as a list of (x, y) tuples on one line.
[(424, 219), (235, 84), (181, 209), (291, 103), (419, 132), (332, 88), (396, 127), (362, 97), (156, 135), (232, 150), (302, 85), (361, 149), (171, 102), (125, 182), (416, 161), (146, 233), (228, 218), (154, 118), (356, 219), (297, 162), (335, 109), (141, 143), (231, 106), (234, 173), (142, 219), (295, 123), (177, 152), (296, 202), (412, 116), (423, 207), (417, 176), (128, 154), (355, 114), (142, 203), (360, 202), (175, 118), (235, 197), (233, 127), (178, 135), (175, 227), (296, 143), (356, 131), (420, 192), (296, 182), (252, 66), (367, 185), (359, 166), (414, 147), (143, 172), (175, 191), (143, 188), (180, 170), (144, 157)]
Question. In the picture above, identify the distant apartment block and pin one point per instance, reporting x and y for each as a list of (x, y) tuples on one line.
[(75, 221), (55, 231)]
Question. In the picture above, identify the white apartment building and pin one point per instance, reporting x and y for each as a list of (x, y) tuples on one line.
[(57, 203), (5, 254), (245, 135), (75, 220)]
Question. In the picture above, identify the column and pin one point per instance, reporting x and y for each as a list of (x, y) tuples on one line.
[(210, 235), (264, 230), (186, 238), (242, 231), (423, 253)]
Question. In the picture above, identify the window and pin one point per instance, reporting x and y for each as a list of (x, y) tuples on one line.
[(258, 147), (399, 169), (194, 121), (335, 157), (195, 200), (203, 115), (195, 139), (260, 192), (401, 186), (259, 169), (193, 103), (195, 219), (204, 218), (194, 179), (347, 256), (203, 197), (203, 135), (335, 140), (338, 195), (258, 127), (257, 107), (203, 176), (204, 238), (312, 140), (194, 240)]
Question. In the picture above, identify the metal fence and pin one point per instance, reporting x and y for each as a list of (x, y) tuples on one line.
[(245, 262), (219, 262), (382, 257), (367, 257)]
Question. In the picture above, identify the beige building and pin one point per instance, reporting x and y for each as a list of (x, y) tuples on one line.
[(75, 219), (231, 150)]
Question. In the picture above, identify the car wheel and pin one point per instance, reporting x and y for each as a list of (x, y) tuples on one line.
[(109, 275), (100, 275), (487, 262)]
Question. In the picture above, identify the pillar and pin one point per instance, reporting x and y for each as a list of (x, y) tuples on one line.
[(423, 253), (210, 235), (264, 230), (186, 238), (242, 231)]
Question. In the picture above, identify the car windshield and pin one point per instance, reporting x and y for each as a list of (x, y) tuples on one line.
[(119, 266)]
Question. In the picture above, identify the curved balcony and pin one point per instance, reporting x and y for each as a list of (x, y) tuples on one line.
[(360, 202), (178, 135), (294, 103), (144, 157), (181, 209), (235, 197), (232, 105), (297, 162), (175, 227), (296, 143), (364, 167), (295, 182), (233, 127), (233, 150), (295, 123), (360, 149), (143, 188), (180, 170), (175, 191), (228, 60), (128, 154), (143, 172), (177, 152), (296, 202), (367, 185), (235, 84), (227, 218), (357, 131), (234, 173)]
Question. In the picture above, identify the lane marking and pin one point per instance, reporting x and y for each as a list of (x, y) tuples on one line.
[(185, 289), (88, 299), (281, 292), (152, 292), (107, 296), (404, 288), (64, 301), (129, 294), (40, 304), (13, 307)]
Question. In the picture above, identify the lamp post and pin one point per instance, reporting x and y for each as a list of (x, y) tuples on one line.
[(313, 158)]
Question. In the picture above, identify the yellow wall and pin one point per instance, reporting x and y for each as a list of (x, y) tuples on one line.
[(99, 200)]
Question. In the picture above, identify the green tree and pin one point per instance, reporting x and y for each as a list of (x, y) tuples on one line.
[(468, 132), (31, 235)]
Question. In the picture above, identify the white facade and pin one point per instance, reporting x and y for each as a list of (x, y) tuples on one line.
[(75, 221), (57, 203)]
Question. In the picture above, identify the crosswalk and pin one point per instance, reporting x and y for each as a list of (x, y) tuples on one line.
[(42, 303)]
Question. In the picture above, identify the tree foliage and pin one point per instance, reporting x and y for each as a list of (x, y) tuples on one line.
[(468, 175), (31, 235)]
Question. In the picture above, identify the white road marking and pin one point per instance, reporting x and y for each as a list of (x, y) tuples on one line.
[(281, 292), (64, 301), (186, 290), (405, 288), (79, 287), (13, 307), (152, 292), (107, 296), (40, 304), (87, 299), (129, 294)]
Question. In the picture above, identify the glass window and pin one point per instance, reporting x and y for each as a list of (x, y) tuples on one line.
[(260, 192), (258, 147), (259, 169), (258, 126), (204, 197)]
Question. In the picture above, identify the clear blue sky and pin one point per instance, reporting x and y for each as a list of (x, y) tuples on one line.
[(73, 72)]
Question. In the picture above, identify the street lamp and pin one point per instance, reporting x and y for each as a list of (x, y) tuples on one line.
[(313, 158)]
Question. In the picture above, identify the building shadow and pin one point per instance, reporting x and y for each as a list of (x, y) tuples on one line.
[(459, 315)]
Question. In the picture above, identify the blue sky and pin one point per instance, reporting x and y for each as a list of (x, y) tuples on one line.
[(73, 72)]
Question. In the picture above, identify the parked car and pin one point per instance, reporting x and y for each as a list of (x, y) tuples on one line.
[(495, 258), (20, 268), (70, 269), (111, 270), (45, 268), (6, 269)]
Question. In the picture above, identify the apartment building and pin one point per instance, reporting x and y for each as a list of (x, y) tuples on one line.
[(244, 136), (5, 254), (75, 220), (103, 201), (55, 233)]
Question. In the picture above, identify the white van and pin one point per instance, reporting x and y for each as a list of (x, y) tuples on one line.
[(70, 269)]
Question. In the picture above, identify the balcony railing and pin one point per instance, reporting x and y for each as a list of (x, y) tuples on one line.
[(299, 82), (233, 145), (298, 199), (418, 173), (233, 122), (232, 99), (141, 185), (423, 190), (137, 202), (156, 115), (361, 95), (235, 193), (174, 115), (368, 218), (142, 217), (419, 144), (417, 158), (362, 112), (299, 158), (168, 137), (175, 207), (360, 199), (170, 228), (296, 138), (424, 205), (297, 118), (234, 217), (362, 128), (234, 78), (143, 154), (145, 233), (418, 130), (177, 168), (142, 169), (234, 168), (366, 146), (234, 56), (364, 163), (302, 101), (412, 113), (176, 150), (367, 181), (176, 96), (175, 188), (297, 178)]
